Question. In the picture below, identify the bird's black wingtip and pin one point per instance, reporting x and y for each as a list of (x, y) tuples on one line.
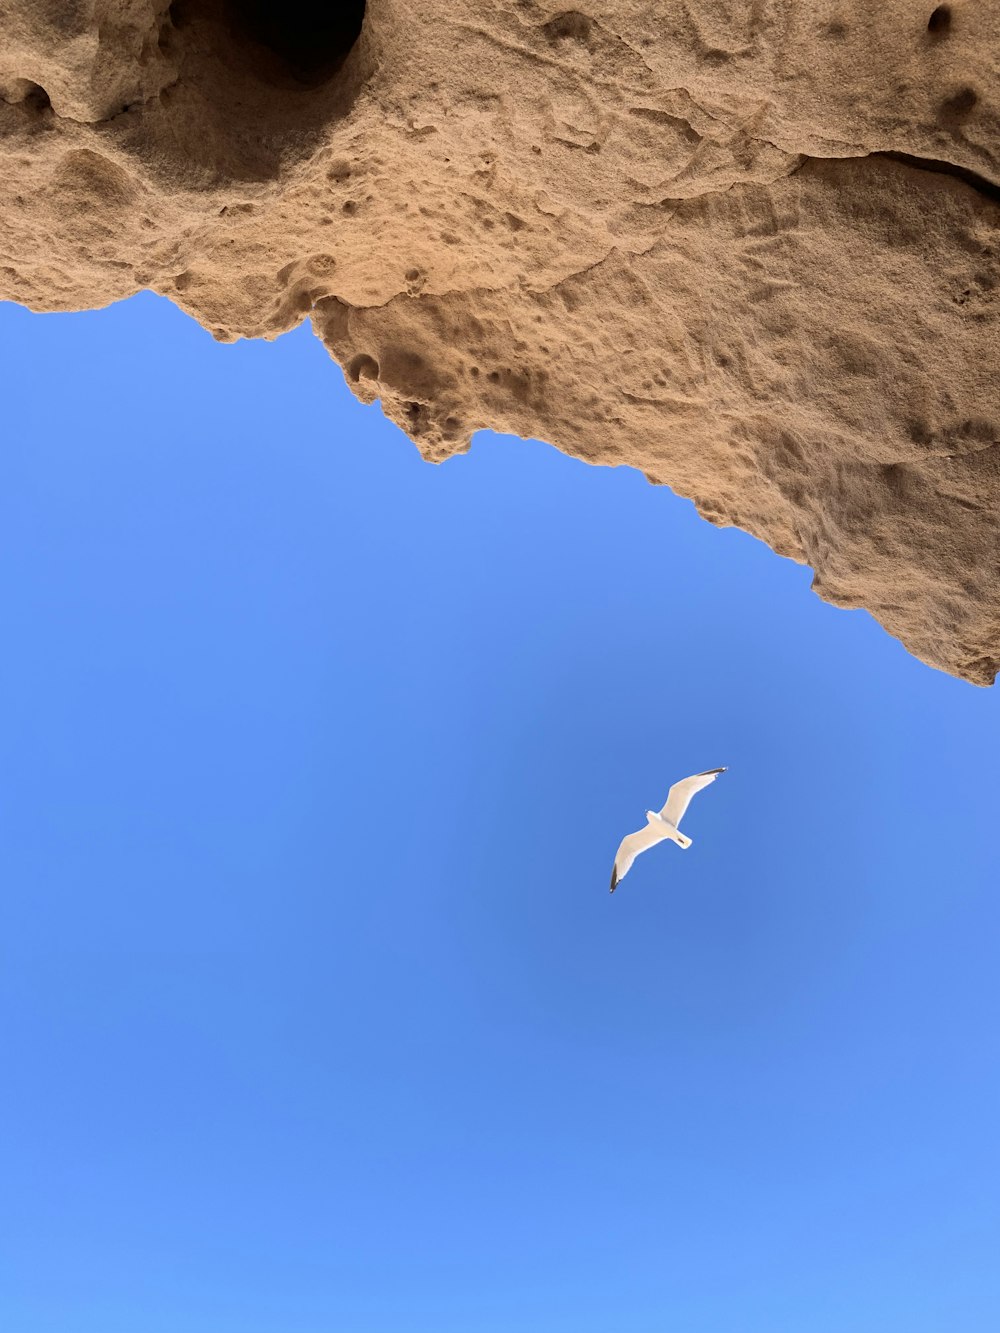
[(614, 880)]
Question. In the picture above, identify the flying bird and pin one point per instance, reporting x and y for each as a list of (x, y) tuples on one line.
[(661, 824)]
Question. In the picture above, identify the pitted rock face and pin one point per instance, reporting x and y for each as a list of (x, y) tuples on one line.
[(752, 249)]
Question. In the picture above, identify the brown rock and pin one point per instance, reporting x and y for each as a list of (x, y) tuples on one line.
[(750, 248)]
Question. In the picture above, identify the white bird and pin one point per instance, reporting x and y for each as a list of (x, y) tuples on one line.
[(661, 824)]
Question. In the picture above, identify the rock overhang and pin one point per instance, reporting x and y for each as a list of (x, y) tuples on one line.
[(751, 250)]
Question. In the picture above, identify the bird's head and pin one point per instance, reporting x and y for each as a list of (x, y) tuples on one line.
[(653, 814)]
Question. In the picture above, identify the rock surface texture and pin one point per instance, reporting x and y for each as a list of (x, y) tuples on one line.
[(751, 247)]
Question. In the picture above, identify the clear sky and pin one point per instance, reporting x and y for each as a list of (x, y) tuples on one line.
[(317, 1015)]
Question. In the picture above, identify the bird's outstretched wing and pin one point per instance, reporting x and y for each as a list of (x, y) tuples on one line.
[(679, 796), (630, 848)]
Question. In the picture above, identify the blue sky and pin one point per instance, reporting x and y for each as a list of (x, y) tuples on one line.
[(316, 1012)]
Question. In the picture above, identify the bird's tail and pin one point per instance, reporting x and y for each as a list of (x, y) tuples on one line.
[(683, 840)]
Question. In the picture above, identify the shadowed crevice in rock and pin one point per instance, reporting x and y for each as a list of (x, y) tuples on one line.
[(981, 184)]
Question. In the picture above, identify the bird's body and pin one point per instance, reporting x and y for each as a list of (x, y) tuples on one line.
[(661, 824)]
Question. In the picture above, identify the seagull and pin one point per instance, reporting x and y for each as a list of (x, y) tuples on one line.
[(661, 824)]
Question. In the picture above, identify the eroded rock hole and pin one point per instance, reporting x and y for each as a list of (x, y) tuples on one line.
[(958, 107), (37, 98), (362, 367), (570, 25), (22, 92), (940, 21), (310, 37)]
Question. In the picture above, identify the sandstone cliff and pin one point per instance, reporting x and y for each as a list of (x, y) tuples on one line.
[(748, 246)]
